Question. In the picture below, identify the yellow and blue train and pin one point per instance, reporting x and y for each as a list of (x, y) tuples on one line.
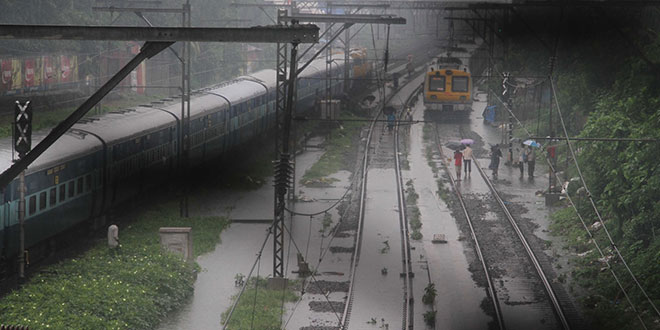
[(448, 86)]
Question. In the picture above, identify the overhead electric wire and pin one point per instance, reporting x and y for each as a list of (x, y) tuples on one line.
[(256, 291), (327, 209), (238, 298), (593, 204), (312, 274)]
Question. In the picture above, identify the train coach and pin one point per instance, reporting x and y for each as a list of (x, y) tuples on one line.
[(448, 86), (105, 160)]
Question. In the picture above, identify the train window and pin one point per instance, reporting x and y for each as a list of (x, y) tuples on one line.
[(72, 189), (80, 185), (42, 201), (53, 197), (62, 192), (459, 84), (88, 182), (33, 205), (436, 83)]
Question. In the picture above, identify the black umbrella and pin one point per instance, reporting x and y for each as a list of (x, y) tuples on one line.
[(454, 145)]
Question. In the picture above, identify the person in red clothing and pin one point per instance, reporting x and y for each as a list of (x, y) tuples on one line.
[(458, 161)]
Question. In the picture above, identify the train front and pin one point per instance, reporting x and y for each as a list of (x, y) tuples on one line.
[(448, 90)]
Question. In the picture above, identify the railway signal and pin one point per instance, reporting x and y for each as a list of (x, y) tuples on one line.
[(22, 128)]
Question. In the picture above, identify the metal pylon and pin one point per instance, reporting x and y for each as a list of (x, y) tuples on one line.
[(280, 102)]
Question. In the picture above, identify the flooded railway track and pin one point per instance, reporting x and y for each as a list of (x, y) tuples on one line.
[(387, 301), (490, 264)]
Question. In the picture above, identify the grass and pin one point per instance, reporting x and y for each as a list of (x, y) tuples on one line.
[(133, 287), (263, 311), (337, 146)]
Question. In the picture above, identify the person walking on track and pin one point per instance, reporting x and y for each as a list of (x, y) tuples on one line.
[(495, 155), (458, 160), (467, 159), (531, 161)]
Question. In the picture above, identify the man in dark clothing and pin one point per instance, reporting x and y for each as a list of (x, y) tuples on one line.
[(531, 160), (495, 155)]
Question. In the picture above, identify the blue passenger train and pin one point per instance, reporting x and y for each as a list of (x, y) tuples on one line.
[(102, 161)]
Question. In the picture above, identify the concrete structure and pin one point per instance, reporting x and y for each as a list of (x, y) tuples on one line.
[(177, 240)]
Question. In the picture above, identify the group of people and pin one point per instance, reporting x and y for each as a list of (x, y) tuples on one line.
[(525, 155), (464, 156)]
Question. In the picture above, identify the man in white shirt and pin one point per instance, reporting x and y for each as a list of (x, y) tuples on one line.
[(467, 159)]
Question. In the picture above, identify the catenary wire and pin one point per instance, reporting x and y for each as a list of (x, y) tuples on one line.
[(312, 274), (233, 307)]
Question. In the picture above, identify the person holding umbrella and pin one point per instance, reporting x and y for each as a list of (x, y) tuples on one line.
[(531, 160), (495, 155), (467, 156), (531, 157)]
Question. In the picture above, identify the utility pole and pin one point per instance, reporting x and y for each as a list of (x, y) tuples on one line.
[(185, 111), (506, 98), (284, 111), (184, 141)]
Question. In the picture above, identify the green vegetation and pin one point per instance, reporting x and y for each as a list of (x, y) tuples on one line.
[(326, 223), (338, 146), (429, 318), (260, 307), (412, 211), (131, 288), (613, 96), (429, 294)]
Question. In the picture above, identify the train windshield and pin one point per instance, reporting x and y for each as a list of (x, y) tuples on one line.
[(437, 84), (459, 84)]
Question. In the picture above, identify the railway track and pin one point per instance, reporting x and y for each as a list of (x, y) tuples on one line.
[(379, 157), (487, 266)]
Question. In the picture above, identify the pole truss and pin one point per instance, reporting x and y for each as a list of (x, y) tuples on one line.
[(306, 4), (266, 34), (353, 19), (139, 9), (594, 139)]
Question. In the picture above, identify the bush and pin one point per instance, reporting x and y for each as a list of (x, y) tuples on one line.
[(132, 287)]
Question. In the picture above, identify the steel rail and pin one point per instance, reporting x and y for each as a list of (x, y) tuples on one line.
[(358, 238), (408, 310), (530, 253), (363, 193), (489, 280)]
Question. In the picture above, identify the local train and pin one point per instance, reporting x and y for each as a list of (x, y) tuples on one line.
[(103, 161), (448, 86)]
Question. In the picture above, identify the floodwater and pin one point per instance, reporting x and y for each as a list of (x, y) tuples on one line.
[(521, 305), (378, 287), (240, 244), (458, 297)]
